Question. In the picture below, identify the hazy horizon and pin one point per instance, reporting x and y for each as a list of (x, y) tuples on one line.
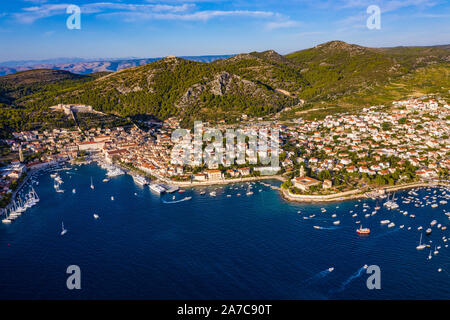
[(95, 59), (37, 29)]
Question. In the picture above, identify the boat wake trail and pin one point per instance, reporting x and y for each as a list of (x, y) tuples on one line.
[(320, 275), (357, 274), (331, 228), (386, 233), (175, 201)]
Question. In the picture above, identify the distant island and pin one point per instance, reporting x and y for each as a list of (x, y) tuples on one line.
[(87, 66)]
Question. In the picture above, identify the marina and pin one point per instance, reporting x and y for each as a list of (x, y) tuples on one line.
[(134, 238)]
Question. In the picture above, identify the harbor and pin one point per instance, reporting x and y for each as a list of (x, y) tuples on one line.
[(132, 234)]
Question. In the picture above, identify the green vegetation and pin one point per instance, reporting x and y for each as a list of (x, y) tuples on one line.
[(334, 77)]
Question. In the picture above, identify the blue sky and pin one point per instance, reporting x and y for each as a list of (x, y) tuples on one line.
[(36, 29)]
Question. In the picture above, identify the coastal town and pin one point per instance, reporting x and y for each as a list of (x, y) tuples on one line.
[(379, 147)]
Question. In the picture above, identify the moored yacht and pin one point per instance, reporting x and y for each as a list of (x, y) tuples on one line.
[(140, 180)]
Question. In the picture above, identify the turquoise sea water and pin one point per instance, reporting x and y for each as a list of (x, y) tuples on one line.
[(247, 247)]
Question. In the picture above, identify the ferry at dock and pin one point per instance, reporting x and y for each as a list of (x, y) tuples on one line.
[(140, 180), (156, 188)]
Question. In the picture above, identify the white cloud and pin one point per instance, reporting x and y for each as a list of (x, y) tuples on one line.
[(385, 5), (194, 16), (31, 14), (282, 24), (134, 12)]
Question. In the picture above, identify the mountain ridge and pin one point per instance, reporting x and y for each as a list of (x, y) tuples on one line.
[(333, 77), (87, 66)]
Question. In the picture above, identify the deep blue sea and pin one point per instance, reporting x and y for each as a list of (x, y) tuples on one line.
[(247, 247)]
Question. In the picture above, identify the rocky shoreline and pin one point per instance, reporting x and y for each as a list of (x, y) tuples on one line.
[(355, 194)]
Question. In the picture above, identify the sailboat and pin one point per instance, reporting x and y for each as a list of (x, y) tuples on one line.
[(92, 184), (420, 246), (362, 230), (36, 197), (6, 220), (63, 231)]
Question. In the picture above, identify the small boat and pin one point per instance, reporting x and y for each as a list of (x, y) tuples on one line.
[(112, 198), (362, 230), (336, 222), (63, 231), (333, 216), (105, 180), (92, 184), (74, 191), (384, 221), (212, 194), (390, 225), (317, 227), (432, 223), (181, 191), (95, 216), (187, 198), (330, 269), (421, 246), (428, 232)]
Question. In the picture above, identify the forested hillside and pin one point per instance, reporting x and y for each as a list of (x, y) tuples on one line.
[(329, 78)]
